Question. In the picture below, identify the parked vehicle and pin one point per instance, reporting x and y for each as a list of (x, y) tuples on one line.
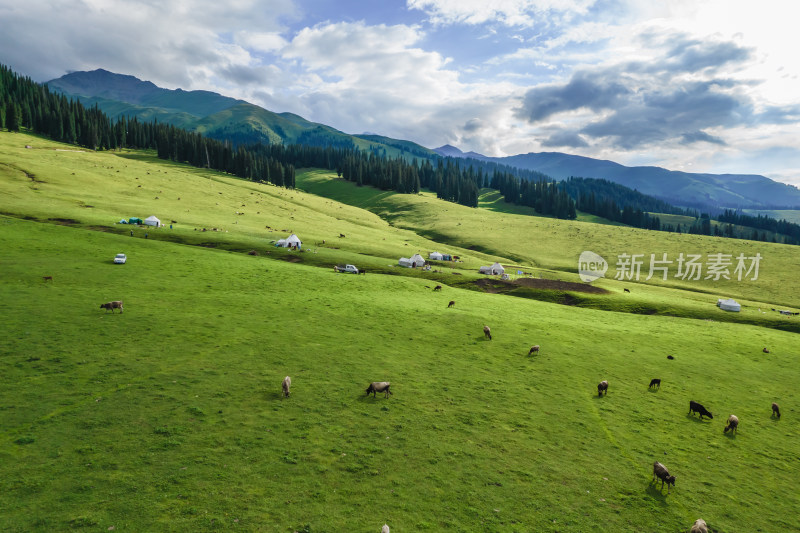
[(346, 268), (120, 259)]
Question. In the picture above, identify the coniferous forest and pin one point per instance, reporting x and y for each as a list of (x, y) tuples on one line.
[(26, 104)]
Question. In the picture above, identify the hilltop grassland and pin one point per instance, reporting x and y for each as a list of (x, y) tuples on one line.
[(556, 245), (53, 182), (169, 416)]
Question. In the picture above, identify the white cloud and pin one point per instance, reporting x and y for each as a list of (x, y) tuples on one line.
[(506, 12)]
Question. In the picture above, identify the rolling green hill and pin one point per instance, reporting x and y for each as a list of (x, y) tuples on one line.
[(169, 417), (214, 115)]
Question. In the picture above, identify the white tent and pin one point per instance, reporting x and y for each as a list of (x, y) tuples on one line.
[(436, 256), (494, 270), (729, 305), (281, 242), (152, 221), (417, 260), (293, 241), (404, 262)]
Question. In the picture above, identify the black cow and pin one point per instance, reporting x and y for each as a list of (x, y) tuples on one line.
[(695, 407)]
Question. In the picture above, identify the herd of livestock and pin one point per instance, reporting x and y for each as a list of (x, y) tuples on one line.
[(660, 472)]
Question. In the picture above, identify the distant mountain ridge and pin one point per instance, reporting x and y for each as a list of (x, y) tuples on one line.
[(680, 188), (226, 118), (216, 116)]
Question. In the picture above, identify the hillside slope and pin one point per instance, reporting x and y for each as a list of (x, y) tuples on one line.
[(169, 417)]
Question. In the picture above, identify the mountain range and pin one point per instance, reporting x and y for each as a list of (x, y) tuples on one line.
[(226, 118)]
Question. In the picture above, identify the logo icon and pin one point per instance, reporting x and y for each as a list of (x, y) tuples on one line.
[(591, 266)]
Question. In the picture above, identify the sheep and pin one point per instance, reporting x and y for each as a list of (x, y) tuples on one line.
[(379, 386), (699, 526), (385, 528), (487, 333), (437, 288), (695, 407), (534, 349), (602, 388), (451, 304), (287, 382), (662, 473), (655, 382), (117, 304), (776, 412), (733, 424)]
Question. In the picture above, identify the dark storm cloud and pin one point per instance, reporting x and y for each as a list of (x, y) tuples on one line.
[(582, 91), (700, 136), (663, 115), (245, 75), (565, 139), (692, 55)]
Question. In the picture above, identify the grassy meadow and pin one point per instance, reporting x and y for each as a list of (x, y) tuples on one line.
[(169, 417)]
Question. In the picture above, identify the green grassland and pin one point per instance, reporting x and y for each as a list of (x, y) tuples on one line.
[(169, 417), (555, 245)]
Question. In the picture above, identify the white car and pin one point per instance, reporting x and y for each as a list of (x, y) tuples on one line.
[(120, 259)]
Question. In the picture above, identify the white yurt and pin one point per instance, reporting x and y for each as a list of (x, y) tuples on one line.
[(436, 256), (293, 241), (729, 305), (152, 221), (494, 270)]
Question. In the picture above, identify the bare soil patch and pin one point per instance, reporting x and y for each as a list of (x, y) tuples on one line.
[(558, 285)]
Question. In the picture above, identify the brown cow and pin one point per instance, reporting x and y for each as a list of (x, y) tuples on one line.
[(47, 278), (287, 382), (437, 288), (776, 411), (117, 304), (602, 388), (451, 304), (534, 349), (487, 333)]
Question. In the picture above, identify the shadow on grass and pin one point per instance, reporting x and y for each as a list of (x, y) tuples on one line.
[(690, 416), (656, 491)]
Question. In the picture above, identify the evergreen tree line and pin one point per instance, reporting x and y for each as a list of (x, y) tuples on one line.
[(26, 104), (762, 222)]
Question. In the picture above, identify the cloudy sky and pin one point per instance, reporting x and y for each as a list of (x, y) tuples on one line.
[(695, 85)]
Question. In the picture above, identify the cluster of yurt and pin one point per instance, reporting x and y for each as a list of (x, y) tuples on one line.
[(149, 221)]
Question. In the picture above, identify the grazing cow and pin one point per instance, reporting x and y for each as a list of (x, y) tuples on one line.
[(112, 305), (602, 388), (662, 473), (379, 386), (534, 349), (776, 411), (733, 424), (451, 304), (287, 382), (695, 407), (487, 333), (341, 235), (626, 290), (655, 382), (47, 278), (699, 526), (765, 350), (385, 528), (437, 288)]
